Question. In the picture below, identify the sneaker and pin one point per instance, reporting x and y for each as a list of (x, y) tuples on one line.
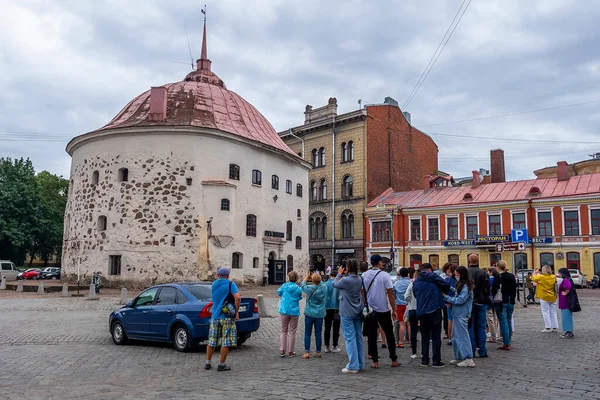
[(413, 356), (484, 356), (554, 330), (424, 364), (571, 335), (207, 366), (469, 363), (449, 342), (439, 365), (454, 362), (564, 335), (546, 330), (349, 371), (327, 349), (335, 349), (223, 368), (384, 346)]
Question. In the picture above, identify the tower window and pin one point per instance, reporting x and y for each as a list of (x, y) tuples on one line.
[(123, 174)]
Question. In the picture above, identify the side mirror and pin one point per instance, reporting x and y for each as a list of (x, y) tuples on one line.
[(130, 304)]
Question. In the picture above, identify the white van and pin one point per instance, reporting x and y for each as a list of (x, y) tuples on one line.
[(8, 270)]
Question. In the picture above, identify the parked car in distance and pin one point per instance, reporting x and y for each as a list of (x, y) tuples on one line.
[(50, 273), (8, 270), (579, 279), (179, 313), (31, 273), (521, 275)]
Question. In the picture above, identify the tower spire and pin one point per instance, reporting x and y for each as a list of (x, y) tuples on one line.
[(204, 63)]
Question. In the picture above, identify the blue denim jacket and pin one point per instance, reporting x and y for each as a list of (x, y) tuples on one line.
[(400, 287), (462, 303), (315, 300), (333, 296), (290, 295)]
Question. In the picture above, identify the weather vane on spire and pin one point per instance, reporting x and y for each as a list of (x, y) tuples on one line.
[(204, 12)]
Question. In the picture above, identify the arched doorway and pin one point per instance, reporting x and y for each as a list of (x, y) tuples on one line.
[(271, 279)]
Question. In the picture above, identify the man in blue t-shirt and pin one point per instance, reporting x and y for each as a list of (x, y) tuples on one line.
[(222, 323)]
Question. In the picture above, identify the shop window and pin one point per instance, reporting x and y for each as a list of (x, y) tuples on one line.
[(520, 261), (434, 260), (454, 259), (494, 258), (573, 260), (547, 259)]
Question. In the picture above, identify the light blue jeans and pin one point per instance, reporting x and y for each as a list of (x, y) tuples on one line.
[(308, 327), (567, 320), (461, 342), (352, 328), (505, 314)]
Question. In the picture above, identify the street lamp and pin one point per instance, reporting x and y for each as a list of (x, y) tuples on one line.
[(391, 218)]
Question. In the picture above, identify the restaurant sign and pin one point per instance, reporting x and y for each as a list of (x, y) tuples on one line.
[(491, 239)]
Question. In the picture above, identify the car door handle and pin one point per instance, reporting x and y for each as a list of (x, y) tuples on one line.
[(144, 312), (169, 311)]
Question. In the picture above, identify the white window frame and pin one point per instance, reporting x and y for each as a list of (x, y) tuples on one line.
[(591, 207), (562, 215), (512, 222), (493, 214), (476, 215), (457, 216), (537, 220), (436, 217), (410, 220)]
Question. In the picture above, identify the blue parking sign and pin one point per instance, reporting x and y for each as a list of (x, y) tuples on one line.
[(520, 235)]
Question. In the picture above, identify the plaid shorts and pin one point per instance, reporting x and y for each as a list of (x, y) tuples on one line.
[(222, 333)]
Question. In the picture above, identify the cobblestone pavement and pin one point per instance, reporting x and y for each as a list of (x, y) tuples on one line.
[(57, 348)]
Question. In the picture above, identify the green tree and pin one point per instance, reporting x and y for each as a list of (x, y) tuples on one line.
[(19, 208), (53, 192)]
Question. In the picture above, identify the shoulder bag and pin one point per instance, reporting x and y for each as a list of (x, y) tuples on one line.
[(498, 296), (228, 308), (368, 312), (573, 300)]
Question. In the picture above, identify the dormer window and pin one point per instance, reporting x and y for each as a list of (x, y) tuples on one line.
[(468, 197), (534, 192)]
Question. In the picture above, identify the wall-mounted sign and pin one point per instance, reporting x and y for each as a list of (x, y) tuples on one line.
[(492, 239), (274, 234), (344, 251), (512, 246), (453, 243), (560, 255), (541, 239)]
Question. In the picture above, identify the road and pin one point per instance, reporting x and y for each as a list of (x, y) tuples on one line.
[(57, 348)]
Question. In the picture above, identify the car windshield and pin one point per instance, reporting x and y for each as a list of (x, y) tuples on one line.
[(201, 292)]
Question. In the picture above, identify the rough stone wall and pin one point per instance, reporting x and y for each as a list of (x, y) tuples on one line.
[(144, 215), (400, 159)]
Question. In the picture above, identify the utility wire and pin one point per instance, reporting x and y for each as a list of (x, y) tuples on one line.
[(511, 114), (438, 52), (503, 139)]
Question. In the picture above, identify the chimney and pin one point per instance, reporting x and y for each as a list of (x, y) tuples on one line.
[(476, 180), (407, 116), (427, 182), (158, 104), (391, 101), (497, 166), (562, 171), (321, 113)]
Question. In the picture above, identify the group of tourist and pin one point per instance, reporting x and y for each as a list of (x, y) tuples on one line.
[(474, 306)]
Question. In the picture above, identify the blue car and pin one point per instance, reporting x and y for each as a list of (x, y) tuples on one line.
[(178, 313)]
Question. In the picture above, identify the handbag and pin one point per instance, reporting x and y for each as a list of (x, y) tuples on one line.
[(498, 296), (228, 308), (573, 300)]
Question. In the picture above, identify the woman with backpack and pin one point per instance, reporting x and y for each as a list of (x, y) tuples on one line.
[(567, 306), (314, 312)]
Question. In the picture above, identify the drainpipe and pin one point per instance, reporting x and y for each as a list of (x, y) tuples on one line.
[(333, 216), (530, 218), (297, 137), (402, 238)]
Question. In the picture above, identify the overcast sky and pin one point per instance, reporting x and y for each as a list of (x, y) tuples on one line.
[(67, 67)]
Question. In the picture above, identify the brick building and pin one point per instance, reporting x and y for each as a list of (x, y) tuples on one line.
[(443, 223), (355, 157)]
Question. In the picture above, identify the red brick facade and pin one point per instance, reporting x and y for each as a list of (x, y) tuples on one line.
[(398, 155)]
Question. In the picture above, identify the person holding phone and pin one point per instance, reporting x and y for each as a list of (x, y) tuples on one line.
[(314, 312)]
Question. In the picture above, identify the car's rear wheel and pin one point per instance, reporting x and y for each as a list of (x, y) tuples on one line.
[(182, 341), (55, 278), (242, 339), (118, 333)]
